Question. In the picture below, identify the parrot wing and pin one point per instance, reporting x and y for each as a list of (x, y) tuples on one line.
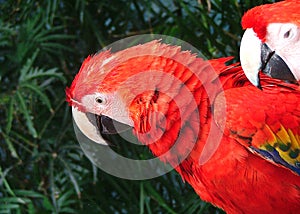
[(266, 122)]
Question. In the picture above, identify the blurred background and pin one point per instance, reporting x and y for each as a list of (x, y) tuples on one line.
[(42, 45)]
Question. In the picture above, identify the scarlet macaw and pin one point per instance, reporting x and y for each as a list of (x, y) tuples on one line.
[(254, 168), (271, 42)]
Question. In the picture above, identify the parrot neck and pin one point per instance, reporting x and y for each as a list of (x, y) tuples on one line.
[(174, 119), (169, 94)]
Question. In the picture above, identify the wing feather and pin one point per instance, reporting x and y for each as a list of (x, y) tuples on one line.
[(266, 122)]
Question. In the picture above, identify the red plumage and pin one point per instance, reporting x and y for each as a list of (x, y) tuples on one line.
[(237, 178), (238, 146), (261, 16)]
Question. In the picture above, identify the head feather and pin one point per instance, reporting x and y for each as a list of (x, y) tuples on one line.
[(107, 71), (260, 17), (95, 69)]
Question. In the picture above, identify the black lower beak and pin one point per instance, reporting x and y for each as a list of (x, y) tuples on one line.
[(107, 126), (274, 66)]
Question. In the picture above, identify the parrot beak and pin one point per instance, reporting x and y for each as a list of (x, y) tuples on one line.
[(100, 141), (256, 56), (97, 128), (274, 66), (250, 51)]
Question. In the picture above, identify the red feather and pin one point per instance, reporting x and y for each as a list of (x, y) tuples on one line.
[(176, 126), (260, 17)]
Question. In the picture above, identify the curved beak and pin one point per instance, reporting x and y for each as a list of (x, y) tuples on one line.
[(97, 128), (274, 66), (250, 51), (256, 56)]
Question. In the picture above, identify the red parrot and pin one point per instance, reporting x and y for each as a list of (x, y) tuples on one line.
[(174, 100), (271, 42)]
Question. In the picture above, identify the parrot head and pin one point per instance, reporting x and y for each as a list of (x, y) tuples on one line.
[(271, 42), (129, 89), (94, 103)]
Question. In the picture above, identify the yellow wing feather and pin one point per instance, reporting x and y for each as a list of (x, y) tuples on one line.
[(286, 143)]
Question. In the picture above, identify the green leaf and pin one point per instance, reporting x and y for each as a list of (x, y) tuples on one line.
[(27, 67), (68, 210), (71, 175), (37, 73), (27, 72), (32, 194), (65, 199), (11, 203), (52, 184), (14, 200), (8, 206), (47, 204), (53, 47), (39, 92), (6, 184), (28, 193), (9, 114), (56, 37), (11, 147), (26, 114), (142, 198), (21, 137), (159, 198)]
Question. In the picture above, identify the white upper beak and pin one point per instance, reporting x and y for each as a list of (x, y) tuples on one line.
[(250, 55)]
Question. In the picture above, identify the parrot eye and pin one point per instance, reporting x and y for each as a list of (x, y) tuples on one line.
[(100, 100), (287, 34), (289, 31)]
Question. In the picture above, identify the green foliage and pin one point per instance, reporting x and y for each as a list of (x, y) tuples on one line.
[(42, 44)]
